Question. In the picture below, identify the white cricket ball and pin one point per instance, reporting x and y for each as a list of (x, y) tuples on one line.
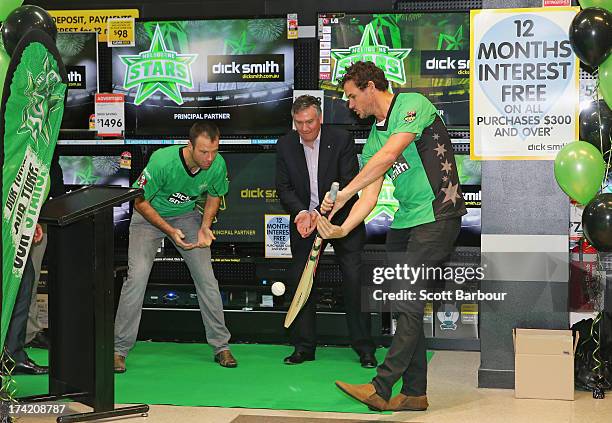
[(278, 288)]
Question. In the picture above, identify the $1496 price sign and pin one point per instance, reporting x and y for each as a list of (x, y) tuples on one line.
[(110, 114)]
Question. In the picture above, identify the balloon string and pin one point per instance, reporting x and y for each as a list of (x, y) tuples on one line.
[(9, 385), (601, 135), (595, 335), (600, 281)]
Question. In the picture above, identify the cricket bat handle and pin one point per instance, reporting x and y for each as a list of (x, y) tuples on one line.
[(333, 191)]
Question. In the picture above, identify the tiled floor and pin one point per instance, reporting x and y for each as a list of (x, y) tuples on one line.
[(453, 397)]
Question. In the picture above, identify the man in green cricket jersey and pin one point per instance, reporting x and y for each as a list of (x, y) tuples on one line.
[(410, 144), (174, 178)]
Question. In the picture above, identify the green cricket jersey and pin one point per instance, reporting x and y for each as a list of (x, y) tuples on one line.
[(425, 174), (172, 189)]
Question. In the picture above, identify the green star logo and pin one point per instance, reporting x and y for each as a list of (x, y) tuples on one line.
[(158, 69), (240, 45), (451, 42), (390, 60), (45, 95)]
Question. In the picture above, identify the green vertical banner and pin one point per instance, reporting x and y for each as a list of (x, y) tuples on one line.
[(30, 119)]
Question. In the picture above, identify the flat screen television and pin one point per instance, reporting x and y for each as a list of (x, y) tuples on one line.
[(237, 73), (251, 196), (380, 219), (79, 52), (80, 171), (419, 52)]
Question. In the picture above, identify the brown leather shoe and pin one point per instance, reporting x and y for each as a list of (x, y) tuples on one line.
[(366, 394), (119, 363), (402, 402), (226, 359)]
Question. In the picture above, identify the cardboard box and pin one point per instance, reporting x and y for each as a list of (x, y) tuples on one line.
[(544, 364)]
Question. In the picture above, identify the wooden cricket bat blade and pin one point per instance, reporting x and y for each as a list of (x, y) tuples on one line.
[(305, 285), (299, 299)]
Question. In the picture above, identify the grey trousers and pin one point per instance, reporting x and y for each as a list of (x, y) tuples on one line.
[(144, 242), (36, 254), (15, 336)]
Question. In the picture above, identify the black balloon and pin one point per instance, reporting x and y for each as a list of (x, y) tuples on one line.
[(597, 222), (591, 35), (591, 125), (22, 20)]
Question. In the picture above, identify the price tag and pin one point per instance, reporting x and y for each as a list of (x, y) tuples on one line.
[(292, 26), (110, 114), (121, 32)]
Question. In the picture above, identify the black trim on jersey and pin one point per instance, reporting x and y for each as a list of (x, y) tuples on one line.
[(185, 164), (429, 161), (384, 127)]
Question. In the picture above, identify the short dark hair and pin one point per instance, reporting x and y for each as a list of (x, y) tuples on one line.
[(305, 101), (203, 128), (363, 72)]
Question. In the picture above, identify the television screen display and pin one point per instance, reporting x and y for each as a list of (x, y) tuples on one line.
[(237, 73), (419, 52), (79, 171), (252, 194), (470, 178), (79, 52), (380, 219)]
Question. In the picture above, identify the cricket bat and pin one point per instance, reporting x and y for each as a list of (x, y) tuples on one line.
[(305, 285)]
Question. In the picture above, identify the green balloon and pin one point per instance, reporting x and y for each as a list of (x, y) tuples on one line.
[(605, 81), (579, 171), (604, 4), (7, 6)]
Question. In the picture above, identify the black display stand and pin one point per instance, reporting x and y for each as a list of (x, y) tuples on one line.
[(81, 301)]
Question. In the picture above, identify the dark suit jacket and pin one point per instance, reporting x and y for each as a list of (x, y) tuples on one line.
[(337, 162)]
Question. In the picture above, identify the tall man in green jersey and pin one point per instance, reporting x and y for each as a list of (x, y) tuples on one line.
[(174, 178), (410, 144)]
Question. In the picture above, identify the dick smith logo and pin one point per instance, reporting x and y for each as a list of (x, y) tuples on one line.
[(76, 77), (180, 198), (268, 67), (246, 68), (399, 166), (445, 62), (258, 193)]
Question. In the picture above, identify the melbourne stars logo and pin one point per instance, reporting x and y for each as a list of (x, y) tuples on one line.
[(45, 94), (158, 69), (390, 60)]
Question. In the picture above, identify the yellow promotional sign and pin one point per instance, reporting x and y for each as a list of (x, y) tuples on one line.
[(121, 32), (89, 20), (524, 83)]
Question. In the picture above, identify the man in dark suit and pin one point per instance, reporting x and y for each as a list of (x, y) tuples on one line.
[(308, 160)]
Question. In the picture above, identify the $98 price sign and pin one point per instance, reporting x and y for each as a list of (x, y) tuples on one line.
[(110, 114), (121, 32)]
